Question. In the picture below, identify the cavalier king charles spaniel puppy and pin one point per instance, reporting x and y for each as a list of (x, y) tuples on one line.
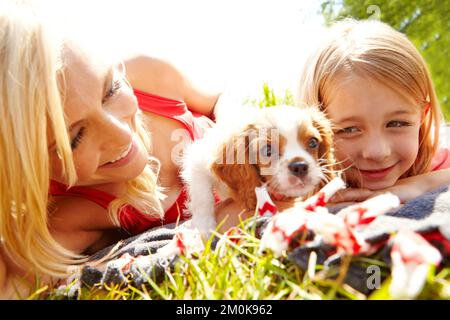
[(286, 149)]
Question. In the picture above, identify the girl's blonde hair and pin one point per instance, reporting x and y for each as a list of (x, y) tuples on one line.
[(375, 50), (31, 108)]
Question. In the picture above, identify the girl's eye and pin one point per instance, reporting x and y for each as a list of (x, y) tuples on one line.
[(397, 124), (115, 87), (77, 139), (313, 143), (347, 130)]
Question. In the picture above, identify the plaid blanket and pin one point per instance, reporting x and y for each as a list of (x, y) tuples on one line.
[(136, 259)]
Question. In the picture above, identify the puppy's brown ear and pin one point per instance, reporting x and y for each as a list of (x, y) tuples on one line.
[(236, 171), (326, 147)]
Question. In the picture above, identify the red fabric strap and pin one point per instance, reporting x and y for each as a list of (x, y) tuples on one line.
[(101, 198), (193, 122)]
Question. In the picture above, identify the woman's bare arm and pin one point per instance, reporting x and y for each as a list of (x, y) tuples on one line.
[(162, 78), (229, 214)]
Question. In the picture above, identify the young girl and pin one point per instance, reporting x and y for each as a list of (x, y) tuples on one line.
[(76, 169), (377, 90)]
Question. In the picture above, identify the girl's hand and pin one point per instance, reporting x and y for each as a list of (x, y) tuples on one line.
[(352, 195), (406, 189)]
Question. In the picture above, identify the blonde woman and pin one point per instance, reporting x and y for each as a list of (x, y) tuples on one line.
[(76, 169), (376, 88)]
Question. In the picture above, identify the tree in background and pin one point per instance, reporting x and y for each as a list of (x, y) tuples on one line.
[(425, 22)]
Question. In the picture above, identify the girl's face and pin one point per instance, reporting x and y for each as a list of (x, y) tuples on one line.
[(377, 131), (101, 113)]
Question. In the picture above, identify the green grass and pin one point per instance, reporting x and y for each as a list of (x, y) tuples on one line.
[(270, 98), (239, 271)]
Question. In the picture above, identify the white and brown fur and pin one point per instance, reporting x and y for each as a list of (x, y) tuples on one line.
[(296, 169)]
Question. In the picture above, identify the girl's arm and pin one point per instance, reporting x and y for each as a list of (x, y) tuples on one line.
[(162, 78), (406, 189)]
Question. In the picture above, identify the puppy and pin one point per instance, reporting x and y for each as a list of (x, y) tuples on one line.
[(287, 149)]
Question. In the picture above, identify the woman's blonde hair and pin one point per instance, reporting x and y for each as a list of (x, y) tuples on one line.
[(30, 109), (30, 106), (373, 49)]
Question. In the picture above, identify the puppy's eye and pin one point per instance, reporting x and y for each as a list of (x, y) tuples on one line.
[(266, 151), (313, 143)]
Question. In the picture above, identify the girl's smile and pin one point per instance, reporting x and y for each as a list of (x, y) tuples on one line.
[(374, 174)]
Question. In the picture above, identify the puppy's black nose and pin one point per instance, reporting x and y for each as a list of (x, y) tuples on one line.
[(298, 168)]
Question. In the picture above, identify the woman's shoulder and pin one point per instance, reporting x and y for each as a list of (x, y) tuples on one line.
[(155, 76)]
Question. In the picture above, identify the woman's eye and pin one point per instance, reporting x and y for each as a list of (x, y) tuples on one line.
[(397, 124), (77, 139), (313, 143), (347, 130), (115, 87)]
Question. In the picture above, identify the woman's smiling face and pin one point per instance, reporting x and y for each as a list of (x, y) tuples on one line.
[(376, 131), (101, 112)]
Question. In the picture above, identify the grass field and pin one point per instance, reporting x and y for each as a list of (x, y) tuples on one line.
[(239, 271)]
